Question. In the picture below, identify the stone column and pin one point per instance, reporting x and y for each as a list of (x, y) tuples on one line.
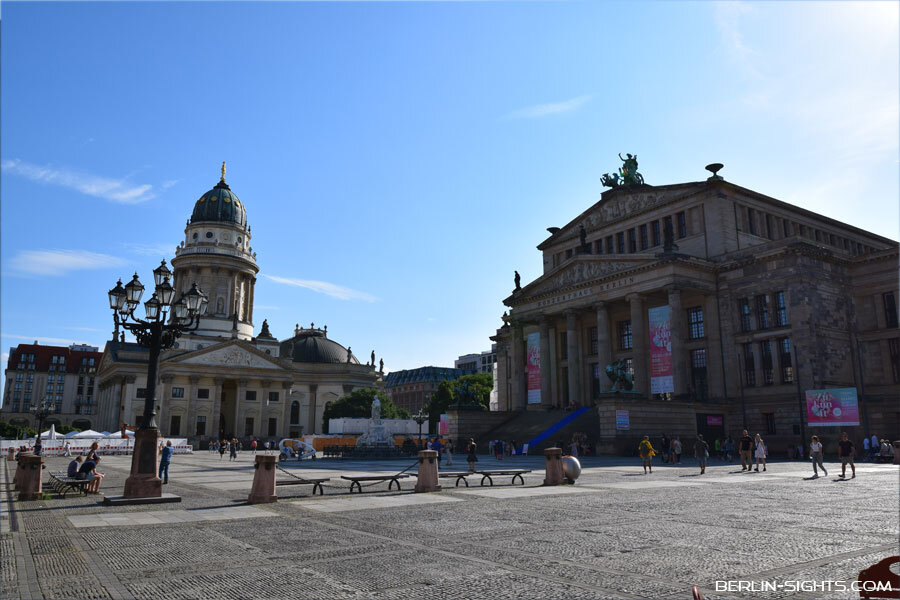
[(574, 368), (283, 422), (517, 357), (639, 345), (239, 403), (679, 360), (714, 356), (546, 365), (310, 428), (164, 399), (128, 402), (757, 364), (604, 352), (191, 412), (213, 431)]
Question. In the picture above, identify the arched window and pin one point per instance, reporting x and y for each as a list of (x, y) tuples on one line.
[(295, 412)]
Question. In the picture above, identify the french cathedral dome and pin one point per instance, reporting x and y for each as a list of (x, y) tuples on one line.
[(220, 204), (311, 346)]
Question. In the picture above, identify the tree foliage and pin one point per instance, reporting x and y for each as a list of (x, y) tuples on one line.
[(468, 389), (15, 432), (358, 403)]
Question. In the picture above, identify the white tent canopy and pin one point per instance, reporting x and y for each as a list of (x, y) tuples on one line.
[(118, 435), (89, 433)]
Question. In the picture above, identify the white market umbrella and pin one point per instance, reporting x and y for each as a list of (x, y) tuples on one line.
[(90, 433), (118, 435), (71, 434), (53, 431)]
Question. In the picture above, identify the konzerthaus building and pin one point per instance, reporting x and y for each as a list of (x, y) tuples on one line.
[(763, 300), (221, 380)]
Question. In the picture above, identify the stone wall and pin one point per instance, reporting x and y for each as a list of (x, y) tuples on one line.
[(465, 424)]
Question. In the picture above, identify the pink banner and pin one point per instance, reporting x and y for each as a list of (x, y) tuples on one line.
[(712, 421), (534, 368), (832, 407), (661, 380)]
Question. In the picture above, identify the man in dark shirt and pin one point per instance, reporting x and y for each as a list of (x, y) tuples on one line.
[(846, 450), (74, 466), (746, 448), (165, 457)]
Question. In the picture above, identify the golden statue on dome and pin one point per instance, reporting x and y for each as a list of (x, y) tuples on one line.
[(223, 172)]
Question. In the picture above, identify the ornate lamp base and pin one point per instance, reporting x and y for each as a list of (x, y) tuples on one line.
[(144, 482)]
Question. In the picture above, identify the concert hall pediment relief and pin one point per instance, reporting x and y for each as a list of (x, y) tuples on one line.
[(580, 272), (231, 355)]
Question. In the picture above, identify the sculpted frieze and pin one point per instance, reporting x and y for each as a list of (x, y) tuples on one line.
[(581, 272), (232, 356), (618, 208)]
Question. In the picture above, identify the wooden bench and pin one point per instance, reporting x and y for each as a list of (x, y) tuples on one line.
[(316, 483), (61, 483), (391, 479), (488, 475), (460, 476)]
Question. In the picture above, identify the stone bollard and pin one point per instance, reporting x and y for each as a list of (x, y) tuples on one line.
[(897, 452), (263, 490), (428, 472), (31, 467), (11, 455), (554, 470)]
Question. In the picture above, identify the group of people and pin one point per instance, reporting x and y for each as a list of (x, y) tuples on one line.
[(231, 446), (579, 446), (501, 448), (878, 450), (85, 467), (444, 450)]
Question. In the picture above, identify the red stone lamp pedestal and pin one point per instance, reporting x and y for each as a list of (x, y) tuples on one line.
[(143, 481), (428, 471), (554, 471)]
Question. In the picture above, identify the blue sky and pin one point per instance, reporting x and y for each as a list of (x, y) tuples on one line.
[(399, 160)]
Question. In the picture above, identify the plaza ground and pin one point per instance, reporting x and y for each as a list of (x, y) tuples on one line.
[(616, 534)]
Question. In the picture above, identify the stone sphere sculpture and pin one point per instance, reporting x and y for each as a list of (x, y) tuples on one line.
[(571, 467)]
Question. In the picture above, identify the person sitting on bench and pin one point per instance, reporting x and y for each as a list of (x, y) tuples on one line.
[(74, 466), (88, 469)]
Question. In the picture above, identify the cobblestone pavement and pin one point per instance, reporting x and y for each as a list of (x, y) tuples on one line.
[(616, 534)]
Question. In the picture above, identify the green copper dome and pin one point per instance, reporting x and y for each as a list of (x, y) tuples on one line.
[(220, 204)]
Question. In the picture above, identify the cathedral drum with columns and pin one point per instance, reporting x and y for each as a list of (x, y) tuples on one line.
[(703, 307), (220, 381)]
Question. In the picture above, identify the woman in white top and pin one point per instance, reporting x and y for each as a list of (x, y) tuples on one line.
[(815, 453), (761, 452)]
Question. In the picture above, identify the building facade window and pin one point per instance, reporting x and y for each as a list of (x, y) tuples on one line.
[(698, 374), (890, 309), (784, 356), (598, 246), (749, 366), (632, 241), (250, 395), (781, 319), (654, 231), (248, 426), (620, 243), (746, 315), (203, 393), (770, 423), (625, 335), (141, 392), (295, 412), (273, 426), (629, 366), (645, 239), (175, 425), (201, 425), (894, 352), (178, 392), (592, 336), (751, 221), (680, 225), (609, 244), (595, 380), (273, 396), (762, 311), (695, 323), (765, 353)]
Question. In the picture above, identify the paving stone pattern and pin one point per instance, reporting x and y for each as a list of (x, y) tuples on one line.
[(616, 534)]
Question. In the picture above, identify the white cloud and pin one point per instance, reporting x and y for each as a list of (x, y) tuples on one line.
[(43, 340), (82, 329), (542, 110), (59, 262), (160, 251), (728, 21), (323, 287), (115, 190)]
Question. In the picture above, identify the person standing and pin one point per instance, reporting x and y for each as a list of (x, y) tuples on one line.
[(676, 451), (729, 449), (646, 452), (471, 454), (253, 446), (875, 445), (67, 448), (449, 452), (746, 450), (701, 452), (233, 446), (760, 453), (665, 448), (816, 454), (866, 449), (165, 457), (438, 447), (221, 446), (846, 450)]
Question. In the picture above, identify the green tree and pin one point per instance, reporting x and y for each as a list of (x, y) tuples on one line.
[(358, 403), (441, 399), (64, 429), (468, 389)]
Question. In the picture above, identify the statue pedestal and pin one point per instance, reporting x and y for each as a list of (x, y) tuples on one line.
[(143, 482), (31, 467), (263, 490), (553, 467), (428, 472)]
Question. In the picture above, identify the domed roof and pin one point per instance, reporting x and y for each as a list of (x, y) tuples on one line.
[(220, 204), (311, 346)]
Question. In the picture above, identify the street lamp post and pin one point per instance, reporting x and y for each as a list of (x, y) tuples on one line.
[(420, 417), (41, 412), (165, 321)]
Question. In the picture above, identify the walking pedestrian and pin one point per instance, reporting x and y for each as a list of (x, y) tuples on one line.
[(761, 452), (676, 451), (221, 446), (233, 448), (439, 448), (253, 446), (165, 458), (846, 450), (665, 448), (701, 452), (866, 448), (471, 456), (498, 449), (875, 445), (729, 449), (449, 452), (67, 449), (815, 453), (717, 445), (646, 451), (746, 450)]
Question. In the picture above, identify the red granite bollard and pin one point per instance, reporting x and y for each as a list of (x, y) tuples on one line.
[(553, 470), (31, 468), (11, 455), (897, 452), (263, 490), (428, 472)]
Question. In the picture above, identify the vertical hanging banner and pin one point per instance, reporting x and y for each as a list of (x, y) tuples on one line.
[(661, 380), (534, 368), (444, 427)]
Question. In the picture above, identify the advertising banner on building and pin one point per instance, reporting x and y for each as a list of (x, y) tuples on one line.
[(444, 425), (622, 421), (713, 421), (661, 380), (534, 368), (832, 407)]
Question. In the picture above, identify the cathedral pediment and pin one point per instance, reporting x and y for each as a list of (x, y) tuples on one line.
[(229, 354), (581, 271)]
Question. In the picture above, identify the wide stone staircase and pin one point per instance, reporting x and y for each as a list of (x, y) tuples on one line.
[(544, 429)]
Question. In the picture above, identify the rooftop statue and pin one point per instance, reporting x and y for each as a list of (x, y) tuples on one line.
[(518, 280), (627, 176)]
